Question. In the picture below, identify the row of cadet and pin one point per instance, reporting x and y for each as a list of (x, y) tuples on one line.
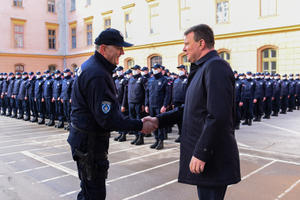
[(34, 97), (261, 95), (142, 93)]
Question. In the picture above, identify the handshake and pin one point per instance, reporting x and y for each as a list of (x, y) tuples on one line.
[(150, 124)]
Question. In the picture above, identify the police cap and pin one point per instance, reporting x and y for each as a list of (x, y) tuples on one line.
[(284, 75), (249, 73), (135, 67), (144, 69), (47, 72), (181, 67), (120, 68), (25, 73), (57, 71), (38, 73), (111, 36), (155, 66), (31, 73), (67, 70), (129, 71), (18, 73), (4, 74)]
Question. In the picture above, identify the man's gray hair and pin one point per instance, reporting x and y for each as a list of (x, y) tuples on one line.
[(97, 47), (202, 31)]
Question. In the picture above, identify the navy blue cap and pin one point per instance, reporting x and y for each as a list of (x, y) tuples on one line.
[(145, 69), (112, 36), (18, 73), (155, 66), (135, 67), (1, 74), (257, 74), (52, 74), (129, 71), (47, 72), (57, 71), (267, 74), (291, 75), (163, 67), (249, 73), (4, 74), (167, 71), (297, 75), (235, 72), (284, 75), (181, 67), (25, 73), (67, 70), (38, 73), (114, 71), (120, 68), (173, 74), (241, 74), (31, 73)]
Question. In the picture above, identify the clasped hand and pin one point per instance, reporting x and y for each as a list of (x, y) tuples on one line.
[(150, 124)]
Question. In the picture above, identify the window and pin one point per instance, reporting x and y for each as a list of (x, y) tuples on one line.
[(225, 55), (269, 60), (107, 23), (89, 34), (185, 20), (222, 11), (51, 6), (154, 17), (155, 60), (52, 68), (73, 32), (130, 63), (88, 2), (51, 39), (268, 8), (73, 5), (19, 36), (128, 25), (18, 3), (19, 68), (74, 66)]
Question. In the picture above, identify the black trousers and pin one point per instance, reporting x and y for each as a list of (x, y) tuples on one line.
[(276, 104), (32, 105), (179, 124), (159, 133), (49, 108), (19, 105), (58, 110), (26, 108), (268, 106), (258, 108), (40, 108), (135, 112), (292, 102), (248, 108), (4, 104), (284, 103), (13, 107), (211, 193), (67, 110)]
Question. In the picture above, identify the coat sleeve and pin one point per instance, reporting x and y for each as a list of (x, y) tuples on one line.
[(219, 85), (168, 94), (110, 118), (172, 117)]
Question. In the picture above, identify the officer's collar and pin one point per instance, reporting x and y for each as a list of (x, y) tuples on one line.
[(206, 57), (107, 65), (25, 78), (48, 78), (182, 77), (136, 76), (157, 76), (67, 77), (58, 78), (121, 77)]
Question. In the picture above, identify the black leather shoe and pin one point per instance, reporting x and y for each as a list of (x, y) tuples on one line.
[(51, 123), (160, 145), (250, 122), (41, 121), (140, 140), (60, 124), (245, 122), (177, 139), (117, 138), (135, 140), (237, 127), (122, 138), (153, 146), (34, 119)]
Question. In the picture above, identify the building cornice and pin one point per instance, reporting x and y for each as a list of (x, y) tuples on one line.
[(107, 12), (128, 6), (88, 19), (50, 25), (30, 55), (18, 21)]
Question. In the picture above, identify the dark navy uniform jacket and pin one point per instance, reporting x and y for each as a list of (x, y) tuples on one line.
[(259, 89), (248, 89), (95, 106), (238, 90), (17, 84), (22, 92), (1, 85), (4, 86), (179, 90), (120, 83), (47, 88), (269, 88), (158, 92), (30, 87), (38, 88), (136, 89), (297, 86), (292, 88), (10, 87), (57, 86), (66, 90), (277, 88), (284, 88)]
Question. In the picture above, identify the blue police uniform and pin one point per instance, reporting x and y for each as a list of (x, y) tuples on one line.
[(259, 95), (284, 92), (292, 93), (178, 97), (47, 96), (23, 99), (4, 97), (238, 90), (276, 96), (32, 102), (247, 97), (18, 102), (38, 96), (297, 92), (157, 96), (269, 88), (57, 87), (95, 113), (66, 96), (12, 102), (1, 95)]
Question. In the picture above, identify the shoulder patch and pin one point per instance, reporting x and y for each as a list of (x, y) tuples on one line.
[(106, 105)]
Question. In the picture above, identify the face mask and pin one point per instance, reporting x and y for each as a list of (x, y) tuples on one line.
[(143, 73), (119, 73), (65, 74), (155, 71), (38, 76), (135, 72), (5, 77), (18, 76), (128, 76), (181, 73), (248, 77), (56, 75), (267, 77)]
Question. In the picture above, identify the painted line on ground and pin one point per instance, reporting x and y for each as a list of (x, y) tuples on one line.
[(33, 138), (54, 178), (269, 158), (270, 152), (32, 143), (288, 190), (259, 169), (31, 133), (69, 193), (280, 128)]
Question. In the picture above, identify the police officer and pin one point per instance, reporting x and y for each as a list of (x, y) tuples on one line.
[(136, 99), (4, 94), (96, 112), (22, 103), (157, 99), (16, 90), (292, 93), (65, 96), (276, 95), (284, 93), (47, 97), (30, 93), (38, 97), (58, 111), (238, 89), (297, 91), (145, 72), (259, 97), (178, 93), (12, 102), (1, 98), (269, 88), (247, 98)]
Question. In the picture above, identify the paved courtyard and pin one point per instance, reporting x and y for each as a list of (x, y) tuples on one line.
[(35, 163)]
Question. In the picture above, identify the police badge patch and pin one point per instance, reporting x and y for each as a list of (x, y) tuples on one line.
[(106, 107)]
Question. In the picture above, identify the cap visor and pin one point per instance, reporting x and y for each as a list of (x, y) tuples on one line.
[(126, 44)]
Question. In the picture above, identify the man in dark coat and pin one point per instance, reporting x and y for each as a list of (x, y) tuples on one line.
[(209, 156)]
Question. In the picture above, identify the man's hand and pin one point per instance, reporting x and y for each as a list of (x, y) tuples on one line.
[(163, 109), (43, 99), (196, 165), (122, 109), (264, 98), (25, 98), (62, 100), (143, 108), (273, 98), (147, 109), (241, 104), (53, 99), (150, 124), (254, 100), (70, 101)]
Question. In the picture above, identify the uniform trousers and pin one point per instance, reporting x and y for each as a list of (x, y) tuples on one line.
[(211, 193), (159, 133)]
